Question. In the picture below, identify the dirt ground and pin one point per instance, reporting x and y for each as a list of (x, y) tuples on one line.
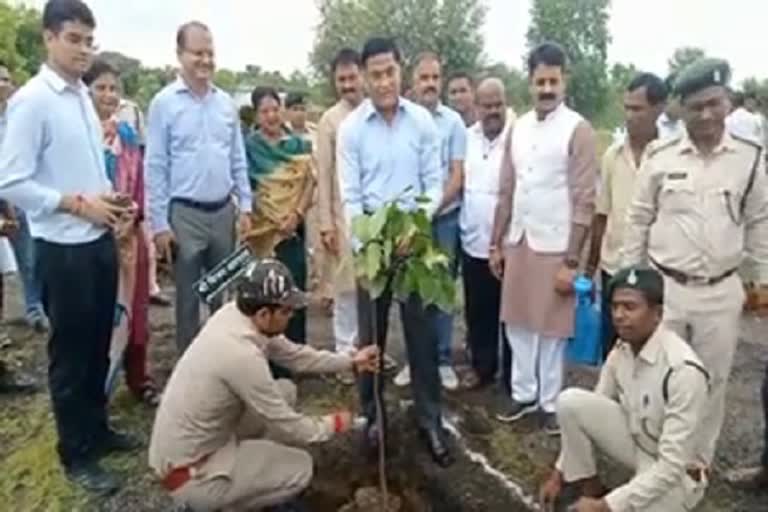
[(498, 470)]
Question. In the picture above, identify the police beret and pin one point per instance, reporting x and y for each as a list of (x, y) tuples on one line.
[(643, 279), (705, 72)]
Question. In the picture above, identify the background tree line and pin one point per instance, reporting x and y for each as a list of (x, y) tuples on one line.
[(452, 28)]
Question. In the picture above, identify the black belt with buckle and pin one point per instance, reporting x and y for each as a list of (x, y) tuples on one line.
[(685, 279), (206, 206)]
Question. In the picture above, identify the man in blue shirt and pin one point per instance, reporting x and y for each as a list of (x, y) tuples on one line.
[(386, 146), (195, 164), (52, 166), (427, 85)]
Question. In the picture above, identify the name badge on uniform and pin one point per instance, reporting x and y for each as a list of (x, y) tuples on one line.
[(677, 176)]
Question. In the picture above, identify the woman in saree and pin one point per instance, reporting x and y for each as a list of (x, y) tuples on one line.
[(283, 185), (125, 170)]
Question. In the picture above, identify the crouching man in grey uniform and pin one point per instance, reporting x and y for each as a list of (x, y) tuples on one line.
[(644, 412), (224, 433)]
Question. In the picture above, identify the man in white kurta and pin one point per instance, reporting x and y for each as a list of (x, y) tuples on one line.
[(546, 203)]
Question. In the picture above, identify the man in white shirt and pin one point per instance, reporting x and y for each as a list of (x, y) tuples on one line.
[(52, 166), (482, 291), (742, 122)]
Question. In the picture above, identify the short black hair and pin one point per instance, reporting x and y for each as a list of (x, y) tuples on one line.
[(295, 98), (461, 75), (58, 12), (737, 99), (181, 34), (750, 95), (427, 55), (549, 54), (656, 90), (4, 65), (259, 93), (377, 46), (98, 68), (249, 306), (345, 57)]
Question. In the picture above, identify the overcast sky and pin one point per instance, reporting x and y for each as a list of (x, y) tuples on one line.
[(278, 34)]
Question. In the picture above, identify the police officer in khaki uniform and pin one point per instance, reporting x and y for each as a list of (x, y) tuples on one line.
[(223, 429), (700, 210), (650, 398)]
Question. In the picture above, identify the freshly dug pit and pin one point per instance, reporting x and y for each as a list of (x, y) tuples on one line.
[(346, 481)]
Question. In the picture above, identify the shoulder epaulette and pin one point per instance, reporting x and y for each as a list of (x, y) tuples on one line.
[(750, 143), (659, 145)]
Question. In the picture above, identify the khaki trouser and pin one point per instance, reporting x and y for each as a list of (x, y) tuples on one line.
[(709, 318), (264, 473), (581, 434)]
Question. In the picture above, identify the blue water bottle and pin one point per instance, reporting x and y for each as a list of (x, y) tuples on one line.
[(584, 348)]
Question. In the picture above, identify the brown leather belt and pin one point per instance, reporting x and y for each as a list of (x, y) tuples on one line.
[(179, 476), (685, 279)]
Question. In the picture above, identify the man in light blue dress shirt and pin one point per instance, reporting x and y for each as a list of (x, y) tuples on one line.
[(427, 86), (386, 146), (195, 163), (52, 167)]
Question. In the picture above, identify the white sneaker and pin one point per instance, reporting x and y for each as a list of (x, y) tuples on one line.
[(403, 378), (448, 378)]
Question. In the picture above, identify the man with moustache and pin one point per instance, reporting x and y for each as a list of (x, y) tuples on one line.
[(461, 96), (195, 164), (700, 212), (545, 208), (337, 277), (389, 150), (52, 163), (427, 86), (482, 291), (644, 101)]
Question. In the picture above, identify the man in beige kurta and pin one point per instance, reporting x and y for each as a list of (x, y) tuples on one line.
[(336, 273), (546, 203), (224, 429)]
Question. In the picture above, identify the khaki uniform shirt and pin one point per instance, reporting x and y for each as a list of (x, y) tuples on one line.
[(617, 182), (224, 374), (686, 213), (664, 429)]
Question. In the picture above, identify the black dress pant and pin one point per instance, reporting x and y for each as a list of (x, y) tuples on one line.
[(482, 307), (79, 293), (421, 348)]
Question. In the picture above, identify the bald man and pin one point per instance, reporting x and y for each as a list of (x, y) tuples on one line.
[(481, 182)]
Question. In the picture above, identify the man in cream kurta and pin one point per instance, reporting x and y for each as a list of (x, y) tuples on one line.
[(546, 203), (699, 211), (222, 430), (336, 272)]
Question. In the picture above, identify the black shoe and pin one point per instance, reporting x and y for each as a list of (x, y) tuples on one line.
[(370, 441), (549, 424), (116, 442), (92, 477), (437, 447), (291, 506), (160, 299), (513, 410), (15, 383)]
